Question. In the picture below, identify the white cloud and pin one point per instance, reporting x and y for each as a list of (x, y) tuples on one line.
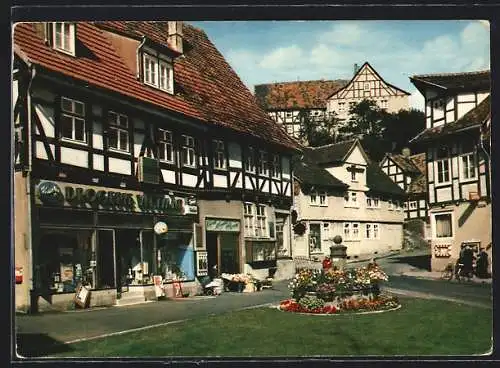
[(344, 33), (332, 53), (283, 58)]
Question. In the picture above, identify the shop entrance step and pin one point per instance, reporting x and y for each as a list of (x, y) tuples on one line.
[(131, 299)]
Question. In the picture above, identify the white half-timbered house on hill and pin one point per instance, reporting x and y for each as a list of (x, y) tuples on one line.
[(339, 191), (290, 103), (121, 126), (457, 107), (366, 84)]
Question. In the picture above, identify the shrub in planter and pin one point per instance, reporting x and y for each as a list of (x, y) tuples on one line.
[(311, 302)]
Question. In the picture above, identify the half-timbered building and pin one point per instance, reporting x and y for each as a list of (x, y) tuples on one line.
[(139, 153), (408, 171), (366, 84), (290, 103), (338, 190), (457, 106)]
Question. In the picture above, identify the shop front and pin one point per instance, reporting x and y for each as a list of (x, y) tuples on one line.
[(222, 244), (103, 239)]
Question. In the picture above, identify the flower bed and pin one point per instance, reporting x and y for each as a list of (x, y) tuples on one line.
[(336, 291)]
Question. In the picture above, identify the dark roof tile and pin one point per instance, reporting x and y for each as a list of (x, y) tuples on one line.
[(379, 182), (479, 80), (330, 153)]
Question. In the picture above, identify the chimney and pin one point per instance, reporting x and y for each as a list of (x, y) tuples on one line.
[(175, 35), (406, 152), (355, 68)]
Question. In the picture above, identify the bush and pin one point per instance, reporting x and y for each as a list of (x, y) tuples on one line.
[(310, 302)]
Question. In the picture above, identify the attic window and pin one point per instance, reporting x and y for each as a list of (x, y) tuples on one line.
[(63, 37), (158, 72)]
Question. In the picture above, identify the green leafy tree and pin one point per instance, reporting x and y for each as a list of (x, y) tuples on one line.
[(380, 131), (315, 132)]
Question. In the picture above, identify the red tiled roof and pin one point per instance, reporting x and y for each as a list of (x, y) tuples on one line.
[(209, 90), (305, 94)]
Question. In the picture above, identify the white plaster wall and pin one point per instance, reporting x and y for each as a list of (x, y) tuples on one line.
[(46, 116), (189, 180), (98, 162), (74, 157), (119, 166), (168, 176)]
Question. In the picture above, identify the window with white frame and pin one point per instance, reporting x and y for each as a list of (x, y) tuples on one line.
[(443, 165), (367, 86), (73, 120), (315, 237), (260, 226), (383, 104), (405, 205), (118, 132), (188, 151), (263, 167), (376, 202), (351, 199), (443, 225), (275, 166), (341, 106), (326, 230), (165, 146), (318, 199), (158, 72), (250, 160), (219, 154), (63, 37), (467, 166), (372, 231), (390, 204), (255, 220), (369, 202), (351, 230), (413, 205), (248, 215)]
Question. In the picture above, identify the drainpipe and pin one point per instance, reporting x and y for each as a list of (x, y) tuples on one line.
[(29, 240), (138, 57)]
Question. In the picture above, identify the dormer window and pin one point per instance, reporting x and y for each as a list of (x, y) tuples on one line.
[(158, 72), (63, 37)]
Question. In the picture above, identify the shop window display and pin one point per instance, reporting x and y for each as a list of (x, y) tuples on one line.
[(65, 259)]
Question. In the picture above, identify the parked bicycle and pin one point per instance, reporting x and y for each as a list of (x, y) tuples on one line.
[(458, 271)]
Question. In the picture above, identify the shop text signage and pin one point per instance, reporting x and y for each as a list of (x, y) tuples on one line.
[(222, 225), (83, 196), (442, 250)]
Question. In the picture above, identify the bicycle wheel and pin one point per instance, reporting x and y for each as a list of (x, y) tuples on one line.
[(447, 275)]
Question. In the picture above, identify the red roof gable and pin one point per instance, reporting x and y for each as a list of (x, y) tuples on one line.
[(211, 91)]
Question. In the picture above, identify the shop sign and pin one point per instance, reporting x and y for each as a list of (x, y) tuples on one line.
[(160, 228), (222, 225), (201, 263), (84, 196), (442, 250)]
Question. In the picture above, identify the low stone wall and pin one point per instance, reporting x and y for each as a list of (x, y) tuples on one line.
[(65, 301)]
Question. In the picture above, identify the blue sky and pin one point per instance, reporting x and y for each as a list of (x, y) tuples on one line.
[(276, 51)]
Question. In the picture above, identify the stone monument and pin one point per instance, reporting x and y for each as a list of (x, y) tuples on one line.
[(338, 253)]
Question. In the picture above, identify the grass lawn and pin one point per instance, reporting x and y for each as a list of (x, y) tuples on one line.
[(420, 327)]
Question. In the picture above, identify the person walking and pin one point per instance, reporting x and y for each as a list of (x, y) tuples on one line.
[(482, 264), (468, 261)]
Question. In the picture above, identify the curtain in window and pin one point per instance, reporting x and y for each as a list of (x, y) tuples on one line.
[(443, 226)]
